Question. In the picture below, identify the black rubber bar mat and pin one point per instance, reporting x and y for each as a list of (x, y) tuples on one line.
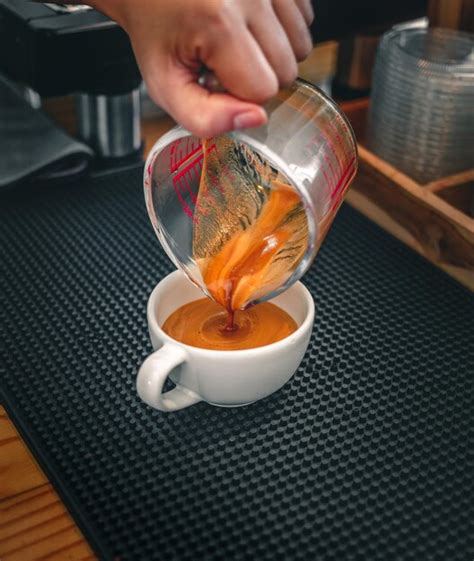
[(366, 454)]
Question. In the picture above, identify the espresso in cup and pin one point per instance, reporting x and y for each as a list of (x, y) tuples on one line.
[(205, 324)]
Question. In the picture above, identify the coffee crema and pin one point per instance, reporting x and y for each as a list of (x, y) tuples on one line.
[(247, 238), (204, 323)]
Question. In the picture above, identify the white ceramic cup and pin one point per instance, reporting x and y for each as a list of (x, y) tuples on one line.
[(223, 378)]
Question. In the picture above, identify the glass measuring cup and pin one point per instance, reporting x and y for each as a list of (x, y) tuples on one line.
[(307, 141)]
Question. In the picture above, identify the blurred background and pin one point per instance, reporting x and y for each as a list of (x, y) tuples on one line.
[(79, 67)]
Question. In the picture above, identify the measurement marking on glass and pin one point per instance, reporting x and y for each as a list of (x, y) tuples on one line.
[(343, 181), (183, 180), (174, 165)]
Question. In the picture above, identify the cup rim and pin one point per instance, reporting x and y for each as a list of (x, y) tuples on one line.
[(155, 327)]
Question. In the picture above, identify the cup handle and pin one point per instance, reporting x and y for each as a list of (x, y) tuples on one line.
[(152, 377)]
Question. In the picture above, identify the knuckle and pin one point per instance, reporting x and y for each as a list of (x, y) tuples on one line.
[(303, 48), (219, 14), (289, 74), (199, 125), (257, 91), (198, 129), (267, 89), (306, 9)]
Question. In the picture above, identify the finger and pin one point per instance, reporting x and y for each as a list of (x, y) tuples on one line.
[(240, 65), (209, 114), (203, 113), (306, 9), (273, 41), (295, 27)]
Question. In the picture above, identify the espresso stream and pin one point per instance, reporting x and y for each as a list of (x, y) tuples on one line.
[(202, 323), (250, 228), (249, 234)]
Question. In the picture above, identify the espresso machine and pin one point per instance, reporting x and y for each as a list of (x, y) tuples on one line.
[(56, 49)]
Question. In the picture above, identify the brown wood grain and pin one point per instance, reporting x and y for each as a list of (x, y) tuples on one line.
[(452, 14), (17, 473), (416, 214), (457, 190), (438, 231), (34, 524), (463, 178)]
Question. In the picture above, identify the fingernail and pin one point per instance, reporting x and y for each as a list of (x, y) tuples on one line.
[(248, 119)]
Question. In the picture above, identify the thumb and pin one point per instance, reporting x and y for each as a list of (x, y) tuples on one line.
[(206, 113)]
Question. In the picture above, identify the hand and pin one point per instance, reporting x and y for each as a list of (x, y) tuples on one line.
[(252, 46)]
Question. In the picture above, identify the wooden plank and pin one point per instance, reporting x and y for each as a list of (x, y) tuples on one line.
[(451, 181), (460, 197), (34, 524), (453, 14), (367, 207), (415, 214), (375, 169), (57, 539), (446, 242), (15, 509), (18, 473)]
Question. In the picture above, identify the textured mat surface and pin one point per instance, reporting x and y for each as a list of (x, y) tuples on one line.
[(366, 454)]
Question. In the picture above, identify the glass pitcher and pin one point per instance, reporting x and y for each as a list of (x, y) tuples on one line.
[(308, 143)]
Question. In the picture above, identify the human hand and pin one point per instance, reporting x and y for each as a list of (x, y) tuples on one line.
[(252, 47)]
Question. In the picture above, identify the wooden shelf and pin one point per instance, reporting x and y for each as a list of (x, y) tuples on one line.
[(434, 219)]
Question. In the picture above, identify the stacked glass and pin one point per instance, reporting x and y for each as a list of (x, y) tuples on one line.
[(421, 118)]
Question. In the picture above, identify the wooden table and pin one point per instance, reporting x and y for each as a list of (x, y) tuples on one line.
[(34, 523)]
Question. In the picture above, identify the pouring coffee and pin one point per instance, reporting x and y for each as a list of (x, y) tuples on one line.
[(243, 215)]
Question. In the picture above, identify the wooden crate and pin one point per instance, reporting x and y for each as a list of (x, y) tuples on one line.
[(435, 219)]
